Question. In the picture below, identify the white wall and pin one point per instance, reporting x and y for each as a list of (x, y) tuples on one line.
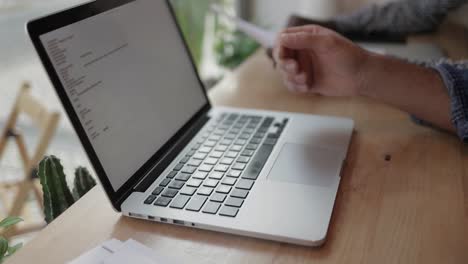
[(274, 13)]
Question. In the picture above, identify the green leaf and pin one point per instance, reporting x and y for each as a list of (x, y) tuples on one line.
[(3, 246), (9, 221), (13, 249)]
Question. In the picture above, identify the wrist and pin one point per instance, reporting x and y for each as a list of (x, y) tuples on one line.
[(370, 74)]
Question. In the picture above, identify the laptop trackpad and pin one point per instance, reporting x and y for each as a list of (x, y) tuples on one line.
[(308, 165)]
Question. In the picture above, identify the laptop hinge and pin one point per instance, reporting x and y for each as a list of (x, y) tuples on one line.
[(162, 164)]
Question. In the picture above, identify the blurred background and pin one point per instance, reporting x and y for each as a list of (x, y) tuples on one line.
[(216, 47)]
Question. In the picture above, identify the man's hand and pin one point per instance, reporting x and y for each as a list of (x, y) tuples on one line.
[(318, 60)]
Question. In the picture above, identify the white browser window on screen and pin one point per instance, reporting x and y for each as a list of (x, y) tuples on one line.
[(130, 81)]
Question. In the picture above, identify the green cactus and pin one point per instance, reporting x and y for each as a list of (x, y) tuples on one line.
[(83, 182), (56, 193)]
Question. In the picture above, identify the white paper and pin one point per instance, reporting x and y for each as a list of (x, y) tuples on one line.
[(263, 37), (117, 252), (98, 254)]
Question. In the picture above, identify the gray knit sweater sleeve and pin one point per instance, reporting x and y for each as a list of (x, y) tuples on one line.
[(399, 17)]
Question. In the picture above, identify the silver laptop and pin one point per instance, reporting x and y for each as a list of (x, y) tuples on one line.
[(163, 153)]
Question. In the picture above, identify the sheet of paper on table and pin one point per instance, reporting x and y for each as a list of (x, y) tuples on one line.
[(117, 252)]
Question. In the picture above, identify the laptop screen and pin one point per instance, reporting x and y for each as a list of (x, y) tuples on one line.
[(130, 80)]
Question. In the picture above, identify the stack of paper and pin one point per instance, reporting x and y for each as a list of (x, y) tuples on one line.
[(117, 252)]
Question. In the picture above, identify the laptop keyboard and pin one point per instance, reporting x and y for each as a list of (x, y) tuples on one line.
[(219, 170)]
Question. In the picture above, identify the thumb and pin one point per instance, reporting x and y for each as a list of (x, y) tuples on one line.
[(298, 40)]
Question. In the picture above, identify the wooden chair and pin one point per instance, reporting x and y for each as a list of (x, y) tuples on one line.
[(47, 122)]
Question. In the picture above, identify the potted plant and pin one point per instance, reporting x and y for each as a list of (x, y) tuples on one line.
[(5, 249)]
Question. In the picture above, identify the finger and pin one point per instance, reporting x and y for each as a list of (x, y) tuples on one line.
[(290, 86), (302, 88), (289, 66), (306, 67), (314, 29), (300, 40), (285, 53), (300, 79)]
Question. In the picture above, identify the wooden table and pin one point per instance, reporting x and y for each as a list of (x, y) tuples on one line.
[(403, 198)]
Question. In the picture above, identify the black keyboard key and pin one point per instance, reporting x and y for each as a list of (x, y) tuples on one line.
[(211, 183), (210, 144), (211, 161), (227, 161), (236, 148), (184, 160), (189, 169), (194, 183), (255, 141), (222, 168), (268, 121), (180, 202), (162, 201), (171, 193), (211, 208), (182, 177), (205, 191), (229, 181), (243, 159), (191, 153), (259, 136), (238, 193), (226, 142), (245, 184), (216, 154), (221, 148), (214, 138), (234, 202), (171, 174), (217, 175), (238, 166), (248, 153), (150, 199), (200, 175), (256, 165), (233, 117), (165, 182), (199, 156), (229, 211), (252, 147), (240, 142), (178, 167), (269, 141), (230, 136), (273, 135), (232, 154), (158, 190), (205, 168), (196, 146), (218, 197), (225, 189), (194, 162), (176, 185), (245, 136), (205, 150), (188, 191), (196, 203), (234, 173)]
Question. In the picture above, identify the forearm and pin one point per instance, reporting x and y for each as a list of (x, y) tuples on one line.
[(417, 90)]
